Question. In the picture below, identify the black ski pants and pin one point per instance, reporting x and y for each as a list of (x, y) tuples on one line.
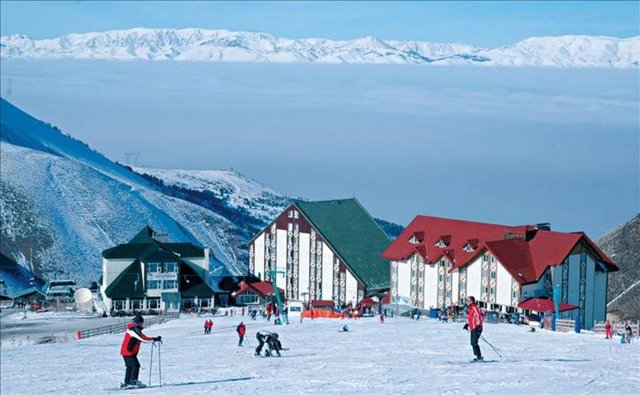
[(240, 341), (133, 368), (475, 336), (261, 341)]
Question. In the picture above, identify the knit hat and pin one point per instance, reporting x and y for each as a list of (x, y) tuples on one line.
[(138, 319)]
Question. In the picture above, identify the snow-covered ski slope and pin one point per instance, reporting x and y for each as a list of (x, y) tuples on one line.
[(401, 356)]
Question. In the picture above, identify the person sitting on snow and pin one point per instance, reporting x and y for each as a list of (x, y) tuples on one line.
[(129, 350)]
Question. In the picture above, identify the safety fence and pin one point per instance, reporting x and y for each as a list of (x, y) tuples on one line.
[(121, 327), (565, 325)]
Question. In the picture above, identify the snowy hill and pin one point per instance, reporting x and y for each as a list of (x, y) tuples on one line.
[(236, 189), (623, 246), (225, 46), (62, 203)]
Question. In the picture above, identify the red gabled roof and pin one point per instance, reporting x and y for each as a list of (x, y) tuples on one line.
[(261, 288), (457, 233), (322, 303), (526, 261)]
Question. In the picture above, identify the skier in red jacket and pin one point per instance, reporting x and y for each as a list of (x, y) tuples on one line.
[(241, 329), (607, 330), (474, 325), (129, 350)]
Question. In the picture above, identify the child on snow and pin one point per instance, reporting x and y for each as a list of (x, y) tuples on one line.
[(628, 334), (241, 329), (607, 330), (129, 350)]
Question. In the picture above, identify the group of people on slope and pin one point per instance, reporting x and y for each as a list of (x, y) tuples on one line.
[(625, 336), (208, 325)]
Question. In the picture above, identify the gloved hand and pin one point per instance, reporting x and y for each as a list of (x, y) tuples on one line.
[(465, 327), (157, 339)]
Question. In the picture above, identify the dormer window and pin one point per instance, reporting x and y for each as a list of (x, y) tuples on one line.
[(417, 237), (443, 241), (471, 245)]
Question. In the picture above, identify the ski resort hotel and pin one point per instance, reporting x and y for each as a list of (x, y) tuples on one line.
[(439, 262)]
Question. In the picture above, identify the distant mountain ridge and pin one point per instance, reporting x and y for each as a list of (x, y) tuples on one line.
[(194, 44)]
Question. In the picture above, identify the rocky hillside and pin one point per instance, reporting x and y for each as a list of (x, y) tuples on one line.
[(623, 246)]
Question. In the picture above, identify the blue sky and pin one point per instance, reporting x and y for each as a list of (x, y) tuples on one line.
[(478, 23)]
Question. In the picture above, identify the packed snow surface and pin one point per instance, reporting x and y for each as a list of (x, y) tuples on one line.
[(400, 356)]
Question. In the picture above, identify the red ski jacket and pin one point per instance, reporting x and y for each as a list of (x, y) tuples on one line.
[(474, 317), (132, 338), (241, 329)]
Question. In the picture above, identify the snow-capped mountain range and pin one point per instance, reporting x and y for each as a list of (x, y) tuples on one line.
[(226, 46)]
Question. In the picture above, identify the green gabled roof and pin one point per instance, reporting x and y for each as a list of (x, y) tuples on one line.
[(128, 284), (354, 235), (197, 285), (143, 245), (145, 236), (132, 251)]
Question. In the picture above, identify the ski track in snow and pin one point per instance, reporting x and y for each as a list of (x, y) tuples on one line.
[(401, 356)]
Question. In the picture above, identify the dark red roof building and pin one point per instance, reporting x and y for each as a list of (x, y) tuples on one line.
[(440, 261)]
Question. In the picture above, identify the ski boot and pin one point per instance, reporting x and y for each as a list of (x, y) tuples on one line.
[(138, 384)]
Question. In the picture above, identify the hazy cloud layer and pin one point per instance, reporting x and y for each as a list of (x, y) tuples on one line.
[(503, 145)]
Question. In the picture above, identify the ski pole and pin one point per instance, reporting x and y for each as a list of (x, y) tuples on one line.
[(160, 363), (494, 348), (151, 362)]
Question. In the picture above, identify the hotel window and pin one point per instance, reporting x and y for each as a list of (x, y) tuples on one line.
[(485, 258), (153, 284), (493, 274), (153, 267), (170, 267), (153, 303), (290, 227), (136, 304), (295, 214), (413, 240), (290, 214), (170, 284)]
